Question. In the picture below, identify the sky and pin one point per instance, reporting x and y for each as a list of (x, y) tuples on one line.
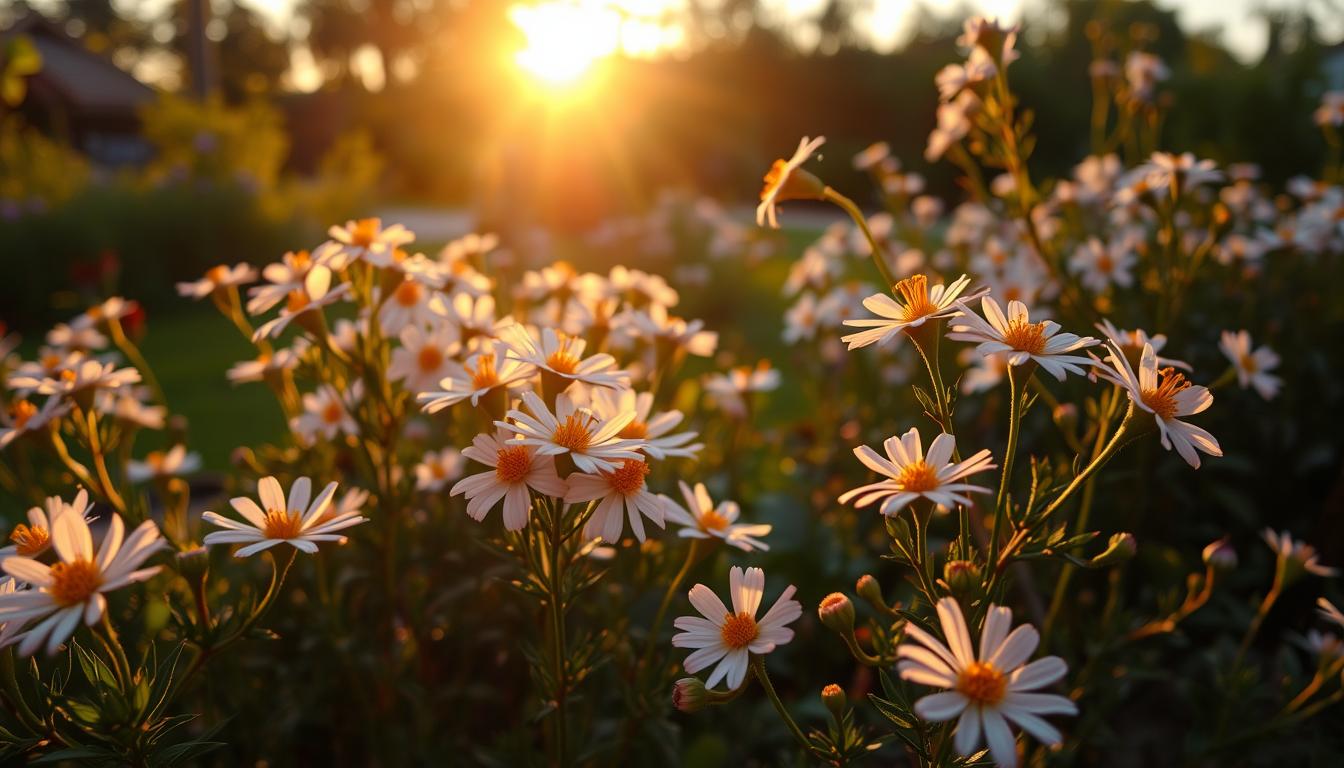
[(889, 20)]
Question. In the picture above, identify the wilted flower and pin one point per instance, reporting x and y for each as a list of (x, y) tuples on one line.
[(729, 637)]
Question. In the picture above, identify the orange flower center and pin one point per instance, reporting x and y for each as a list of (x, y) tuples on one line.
[(918, 477), (297, 302), (512, 464), (430, 359), (437, 470), (218, 274), (69, 376), (572, 433), (21, 412), (982, 683), (628, 478), (739, 629), (364, 232), (73, 583), (29, 541), (300, 261), (155, 460), (50, 361), (635, 430), (1025, 337), (281, 524), (563, 359), (711, 520), (1162, 398), (915, 291), (485, 376), (332, 413), (408, 293), (1104, 263), (1247, 363), (775, 177)]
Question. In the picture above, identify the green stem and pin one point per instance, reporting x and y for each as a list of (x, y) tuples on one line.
[(113, 644), (692, 555), (556, 600), (758, 667), (1009, 456), (879, 251), (1117, 441)]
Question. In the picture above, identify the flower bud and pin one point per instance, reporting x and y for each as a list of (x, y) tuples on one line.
[(962, 576), (193, 564), (868, 588), (833, 696), (1220, 555), (1120, 548), (1066, 417), (689, 695), (837, 612)]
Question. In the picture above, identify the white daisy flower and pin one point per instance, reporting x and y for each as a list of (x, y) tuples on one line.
[(921, 304), (655, 433), (74, 586), (483, 372), (562, 356), (730, 637), (409, 304), (515, 471), (86, 377), (592, 442), (325, 414), (1252, 367), (654, 323), (298, 521), (424, 357), (437, 469), (701, 519), (315, 294), (474, 316), (21, 417), (50, 364), (988, 690), (1099, 266), (175, 462), (217, 278), (266, 365), (282, 277), (33, 539), (365, 239), (1167, 395), (9, 631), (1299, 553), (1131, 343), (787, 181), (800, 320), (911, 474), (79, 337), (621, 490), (1018, 340), (728, 390)]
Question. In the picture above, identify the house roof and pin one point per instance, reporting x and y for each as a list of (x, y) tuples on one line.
[(88, 82)]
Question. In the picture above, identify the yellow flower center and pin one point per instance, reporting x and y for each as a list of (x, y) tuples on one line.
[(155, 460), (512, 464), (300, 261), (711, 520), (1247, 363), (776, 176), (563, 359), (29, 541), (635, 430), (281, 524), (739, 629), (408, 293), (1104, 263), (437, 470), (21, 412), (50, 361), (429, 359), (364, 232), (73, 583), (915, 291), (218, 274), (572, 433), (1025, 337), (628, 478), (982, 683), (485, 376), (1162, 398), (69, 376), (918, 477)]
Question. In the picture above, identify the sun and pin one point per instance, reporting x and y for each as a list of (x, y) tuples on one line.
[(563, 40)]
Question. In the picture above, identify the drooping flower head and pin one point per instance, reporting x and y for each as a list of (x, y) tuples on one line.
[(786, 180)]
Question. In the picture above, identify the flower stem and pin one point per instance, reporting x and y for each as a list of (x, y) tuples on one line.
[(555, 586), (879, 251), (1009, 455), (758, 667), (692, 555)]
